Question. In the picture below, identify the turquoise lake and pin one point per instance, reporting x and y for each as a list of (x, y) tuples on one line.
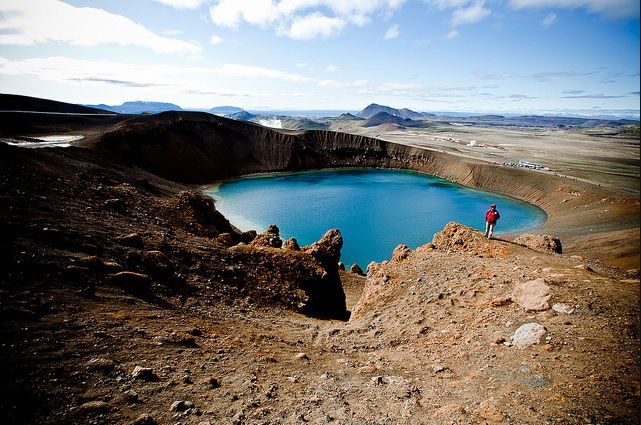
[(375, 210)]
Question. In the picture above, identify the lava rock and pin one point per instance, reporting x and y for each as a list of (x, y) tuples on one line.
[(356, 269)]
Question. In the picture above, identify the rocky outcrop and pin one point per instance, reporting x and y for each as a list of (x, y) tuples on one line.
[(542, 243), (270, 238), (458, 238), (196, 213)]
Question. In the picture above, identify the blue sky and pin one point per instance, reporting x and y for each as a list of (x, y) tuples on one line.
[(504, 56)]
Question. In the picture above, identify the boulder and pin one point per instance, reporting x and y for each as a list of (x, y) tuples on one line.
[(137, 283), (100, 364), (158, 264), (562, 308), (533, 295), (527, 335), (248, 236), (144, 374), (133, 240), (181, 406), (270, 238), (341, 265), (542, 243), (400, 253), (144, 419), (356, 269), (292, 244), (96, 406), (225, 239)]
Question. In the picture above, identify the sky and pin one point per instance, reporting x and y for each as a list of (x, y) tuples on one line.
[(564, 57)]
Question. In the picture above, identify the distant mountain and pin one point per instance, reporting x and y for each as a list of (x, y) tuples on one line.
[(139, 107), (348, 117), (241, 116), (374, 109), (385, 118), (225, 110), (14, 102)]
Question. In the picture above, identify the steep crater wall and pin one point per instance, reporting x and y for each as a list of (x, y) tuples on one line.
[(200, 148)]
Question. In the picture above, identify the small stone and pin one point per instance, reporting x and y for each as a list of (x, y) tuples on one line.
[(377, 380), (489, 411), (133, 240), (144, 374), (301, 356), (181, 406), (562, 308), (499, 340), (501, 301), (528, 334), (438, 368), (341, 266), (103, 365), (144, 419), (95, 406), (584, 267), (212, 382)]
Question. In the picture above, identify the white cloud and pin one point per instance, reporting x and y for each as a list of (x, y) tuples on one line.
[(182, 4), (41, 21), (331, 68), (392, 32), (610, 8), (300, 19), (451, 35), (549, 19), (315, 25), (80, 71), (470, 15), (215, 39)]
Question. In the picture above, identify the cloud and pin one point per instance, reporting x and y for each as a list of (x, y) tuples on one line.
[(392, 32), (452, 34), (573, 91), (546, 76), (549, 19), (469, 15), (517, 97), (63, 69), (593, 96), (634, 93), (300, 19), (182, 4), (40, 21), (315, 25), (609, 8), (215, 39), (331, 68)]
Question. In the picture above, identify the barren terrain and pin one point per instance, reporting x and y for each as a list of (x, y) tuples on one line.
[(128, 299)]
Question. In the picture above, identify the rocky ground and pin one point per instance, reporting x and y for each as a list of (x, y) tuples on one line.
[(128, 299)]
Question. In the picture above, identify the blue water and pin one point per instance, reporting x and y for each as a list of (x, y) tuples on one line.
[(375, 210)]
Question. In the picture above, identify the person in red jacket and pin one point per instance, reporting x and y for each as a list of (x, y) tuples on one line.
[(491, 216)]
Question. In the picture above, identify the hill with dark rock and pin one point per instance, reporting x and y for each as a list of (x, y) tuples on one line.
[(385, 118), (14, 102), (374, 109)]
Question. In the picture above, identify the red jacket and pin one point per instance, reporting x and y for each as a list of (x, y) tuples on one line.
[(492, 216)]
